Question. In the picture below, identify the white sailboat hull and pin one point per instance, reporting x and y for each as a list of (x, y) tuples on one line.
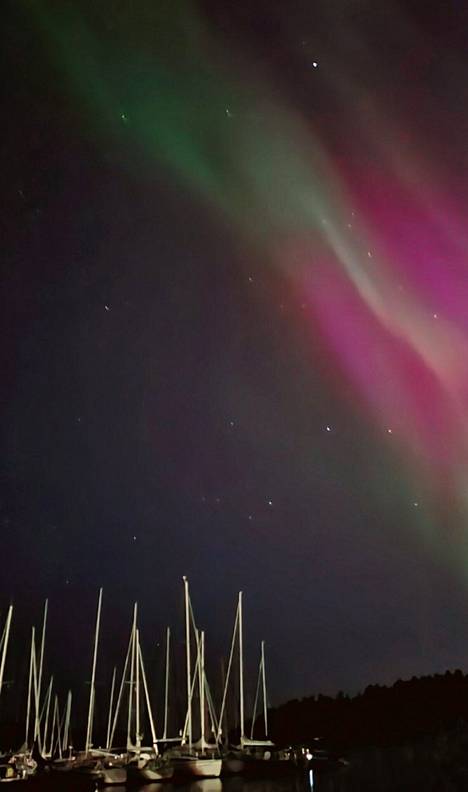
[(197, 767), (114, 775), (151, 771), (147, 774), (101, 773)]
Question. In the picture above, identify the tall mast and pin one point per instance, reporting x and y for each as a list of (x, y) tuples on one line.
[(137, 691), (148, 703), (257, 691), (166, 685), (265, 713), (38, 679), (46, 724), (30, 682), (223, 725), (37, 713), (132, 679), (194, 680), (121, 689), (4, 644), (38, 687), (58, 741), (41, 659), (241, 671), (226, 681), (201, 679), (66, 727), (111, 705), (89, 730), (52, 733), (187, 649)]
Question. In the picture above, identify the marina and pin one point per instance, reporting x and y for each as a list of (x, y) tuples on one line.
[(205, 746)]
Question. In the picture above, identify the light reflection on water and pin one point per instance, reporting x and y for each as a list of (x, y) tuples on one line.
[(305, 782), (299, 783), (310, 782)]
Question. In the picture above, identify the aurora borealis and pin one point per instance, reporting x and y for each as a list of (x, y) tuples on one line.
[(373, 281), (251, 274)]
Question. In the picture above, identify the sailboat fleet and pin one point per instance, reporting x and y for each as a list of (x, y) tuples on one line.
[(47, 747)]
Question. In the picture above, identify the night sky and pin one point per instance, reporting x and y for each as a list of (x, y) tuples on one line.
[(235, 330)]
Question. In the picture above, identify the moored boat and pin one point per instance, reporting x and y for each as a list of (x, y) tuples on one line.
[(102, 771), (201, 759), (192, 766), (150, 767), (18, 767), (252, 757)]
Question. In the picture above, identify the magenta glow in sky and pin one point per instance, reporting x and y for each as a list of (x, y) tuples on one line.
[(392, 305), (376, 250)]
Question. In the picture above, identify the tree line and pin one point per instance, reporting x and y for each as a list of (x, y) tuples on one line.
[(408, 710)]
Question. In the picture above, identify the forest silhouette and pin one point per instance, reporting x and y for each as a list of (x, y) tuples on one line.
[(406, 711)]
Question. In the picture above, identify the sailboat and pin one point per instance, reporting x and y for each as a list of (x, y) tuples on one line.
[(145, 764), (234, 758), (18, 766), (251, 756), (99, 765), (262, 757), (201, 759), (21, 765)]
